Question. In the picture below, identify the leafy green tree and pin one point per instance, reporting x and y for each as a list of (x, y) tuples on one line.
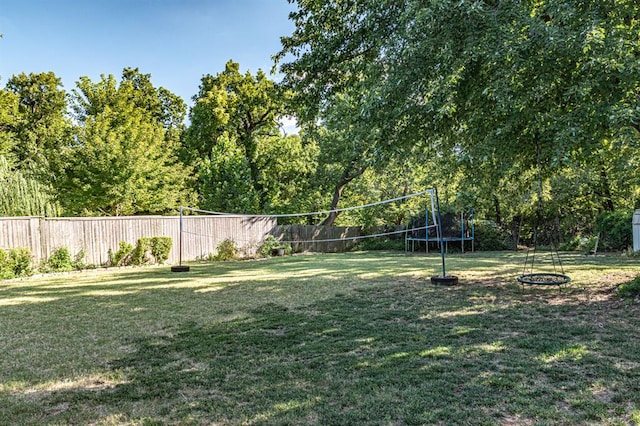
[(42, 126), (8, 120), (235, 110), (288, 166), (124, 159), (345, 155), (134, 88), (483, 80), (22, 195), (224, 179), (400, 177)]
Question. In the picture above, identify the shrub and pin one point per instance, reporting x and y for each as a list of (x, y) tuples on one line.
[(271, 245), (489, 236), (570, 245), (630, 289), (227, 250), (586, 245), (268, 246), (615, 229), (140, 254), (59, 261), (6, 270), (79, 260), (15, 263), (148, 250), (380, 243), (122, 256), (20, 262), (160, 248)]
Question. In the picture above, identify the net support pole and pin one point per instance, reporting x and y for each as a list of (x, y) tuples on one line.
[(443, 279), (444, 268), (180, 240), (179, 267)]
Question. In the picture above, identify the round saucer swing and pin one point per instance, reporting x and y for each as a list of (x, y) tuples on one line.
[(531, 276), (544, 278)]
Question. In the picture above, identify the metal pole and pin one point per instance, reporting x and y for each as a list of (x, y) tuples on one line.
[(444, 269), (180, 239)]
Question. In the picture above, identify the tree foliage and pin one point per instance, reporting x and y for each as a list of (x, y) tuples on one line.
[(8, 120), (484, 85), (41, 126), (124, 159), (22, 195), (234, 118), (492, 74)]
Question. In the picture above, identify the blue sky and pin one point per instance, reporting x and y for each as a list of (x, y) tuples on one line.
[(176, 41)]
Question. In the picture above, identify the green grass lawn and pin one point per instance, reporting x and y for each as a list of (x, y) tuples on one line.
[(360, 338)]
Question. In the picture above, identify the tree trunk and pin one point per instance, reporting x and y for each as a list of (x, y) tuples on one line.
[(605, 185), (350, 173), (333, 215), (496, 205), (515, 231), (250, 150)]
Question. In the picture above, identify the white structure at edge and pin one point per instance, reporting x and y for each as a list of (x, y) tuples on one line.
[(636, 230)]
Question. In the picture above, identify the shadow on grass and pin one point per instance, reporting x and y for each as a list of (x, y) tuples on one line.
[(403, 353)]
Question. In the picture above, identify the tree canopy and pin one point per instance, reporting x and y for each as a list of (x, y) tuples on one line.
[(492, 78), (124, 159), (234, 115), (484, 85)]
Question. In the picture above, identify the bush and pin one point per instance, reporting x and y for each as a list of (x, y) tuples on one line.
[(227, 250), (147, 250), (586, 245), (122, 256), (380, 243), (6, 270), (630, 289), (571, 245), (79, 261), (615, 230), (16, 262), (22, 261), (140, 254), (489, 236), (268, 245), (59, 261), (271, 245), (160, 248)]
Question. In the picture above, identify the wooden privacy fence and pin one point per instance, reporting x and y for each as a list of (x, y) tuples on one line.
[(200, 237), (96, 235), (324, 239)]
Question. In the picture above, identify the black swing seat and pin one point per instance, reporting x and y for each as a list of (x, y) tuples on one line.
[(544, 278)]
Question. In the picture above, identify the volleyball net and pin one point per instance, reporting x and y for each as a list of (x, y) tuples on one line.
[(202, 231)]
